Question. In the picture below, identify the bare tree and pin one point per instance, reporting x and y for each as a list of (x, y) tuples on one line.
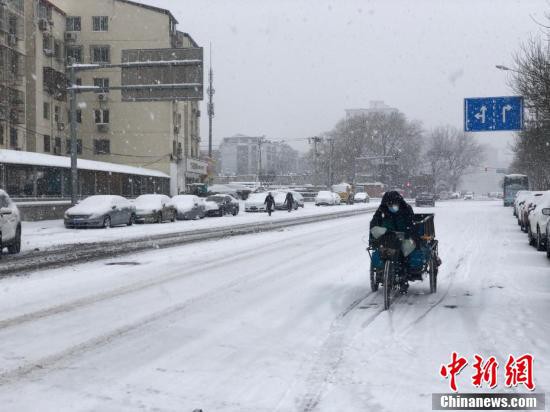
[(373, 135), (450, 154), (532, 81)]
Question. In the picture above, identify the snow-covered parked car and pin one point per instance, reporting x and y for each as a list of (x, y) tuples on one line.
[(469, 196), (518, 201), (361, 197), (101, 211), (537, 221), (255, 203), (154, 208), (526, 208), (219, 205), (10, 225), (327, 198), (189, 207)]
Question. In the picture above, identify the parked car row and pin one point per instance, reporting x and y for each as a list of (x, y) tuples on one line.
[(112, 210), (532, 210)]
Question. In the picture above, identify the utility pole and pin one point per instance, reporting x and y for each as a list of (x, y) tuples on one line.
[(210, 92), (316, 140), (74, 142), (261, 141), (330, 167)]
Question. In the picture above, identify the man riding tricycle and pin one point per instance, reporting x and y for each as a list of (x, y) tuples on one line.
[(402, 247)]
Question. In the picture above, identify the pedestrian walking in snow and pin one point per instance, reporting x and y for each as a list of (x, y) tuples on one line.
[(269, 202), (289, 201)]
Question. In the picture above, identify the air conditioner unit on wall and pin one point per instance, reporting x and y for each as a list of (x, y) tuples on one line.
[(60, 126), (70, 36), (102, 97), (102, 127)]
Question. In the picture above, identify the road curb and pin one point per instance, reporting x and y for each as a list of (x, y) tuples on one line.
[(88, 252)]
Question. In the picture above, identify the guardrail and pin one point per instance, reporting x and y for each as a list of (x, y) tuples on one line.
[(78, 253)]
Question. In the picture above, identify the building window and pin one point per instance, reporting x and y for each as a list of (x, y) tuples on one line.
[(57, 112), (73, 23), (78, 116), (103, 83), (47, 143), (13, 137), (101, 116), (1, 138), (74, 52), (57, 148), (100, 23), (58, 50), (78, 146), (47, 44), (46, 109), (100, 54), (102, 146)]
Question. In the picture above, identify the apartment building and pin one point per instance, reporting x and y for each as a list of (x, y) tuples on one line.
[(130, 127), (12, 74), (46, 95), (137, 115)]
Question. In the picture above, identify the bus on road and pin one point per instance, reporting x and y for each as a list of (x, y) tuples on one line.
[(513, 184)]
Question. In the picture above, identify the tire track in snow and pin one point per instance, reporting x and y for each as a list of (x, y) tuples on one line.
[(213, 296), (137, 287)]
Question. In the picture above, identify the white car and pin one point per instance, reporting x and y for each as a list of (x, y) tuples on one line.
[(255, 203), (327, 198), (10, 225), (361, 197), (537, 220), (469, 196), (525, 209)]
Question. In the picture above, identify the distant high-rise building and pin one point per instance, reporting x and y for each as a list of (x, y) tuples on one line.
[(376, 106), (240, 155)]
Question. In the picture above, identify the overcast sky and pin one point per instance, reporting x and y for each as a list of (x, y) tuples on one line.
[(288, 69)]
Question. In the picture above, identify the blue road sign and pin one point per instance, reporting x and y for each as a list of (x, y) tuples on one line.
[(487, 114)]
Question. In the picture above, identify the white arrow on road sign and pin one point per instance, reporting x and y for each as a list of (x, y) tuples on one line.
[(481, 114), (505, 109)]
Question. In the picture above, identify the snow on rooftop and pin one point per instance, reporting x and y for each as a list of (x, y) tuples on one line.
[(40, 159)]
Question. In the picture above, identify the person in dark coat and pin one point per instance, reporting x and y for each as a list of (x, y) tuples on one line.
[(396, 215), (289, 201), (269, 202)]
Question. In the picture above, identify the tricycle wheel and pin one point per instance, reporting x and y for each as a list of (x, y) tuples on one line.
[(432, 270), (388, 283), (373, 281)]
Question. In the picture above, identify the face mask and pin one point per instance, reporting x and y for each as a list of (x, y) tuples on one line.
[(394, 208)]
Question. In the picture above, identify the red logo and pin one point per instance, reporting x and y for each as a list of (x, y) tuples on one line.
[(517, 371)]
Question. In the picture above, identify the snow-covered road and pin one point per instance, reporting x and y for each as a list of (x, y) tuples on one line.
[(279, 321)]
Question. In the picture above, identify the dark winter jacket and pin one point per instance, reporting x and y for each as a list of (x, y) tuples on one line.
[(401, 221), (289, 200), (269, 201)]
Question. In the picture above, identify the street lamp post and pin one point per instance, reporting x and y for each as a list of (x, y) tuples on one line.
[(74, 142)]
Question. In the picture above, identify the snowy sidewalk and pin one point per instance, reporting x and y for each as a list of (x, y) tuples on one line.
[(51, 233)]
